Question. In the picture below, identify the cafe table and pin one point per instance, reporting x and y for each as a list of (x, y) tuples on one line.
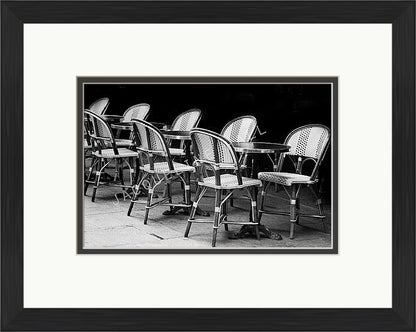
[(266, 148), (129, 125), (257, 148), (126, 125), (112, 118), (122, 126), (184, 136)]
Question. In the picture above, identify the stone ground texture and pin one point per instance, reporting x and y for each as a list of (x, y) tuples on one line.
[(107, 226)]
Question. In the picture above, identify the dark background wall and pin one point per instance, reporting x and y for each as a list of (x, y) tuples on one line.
[(279, 108)]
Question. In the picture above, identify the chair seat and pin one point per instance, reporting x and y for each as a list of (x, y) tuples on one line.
[(229, 181), (176, 152), (109, 153), (163, 168), (285, 179), (123, 142)]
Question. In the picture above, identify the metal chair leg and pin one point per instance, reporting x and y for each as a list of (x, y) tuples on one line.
[(293, 214), (121, 174), (187, 192), (319, 204), (252, 167), (292, 225), (136, 192), (254, 210), (149, 199), (136, 173), (97, 180), (224, 210), (131, 204), (262, 197), (167, 192), (216, 215), (89, 176), (193, 210)]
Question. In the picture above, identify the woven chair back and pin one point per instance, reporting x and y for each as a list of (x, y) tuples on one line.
[(138, 111), (187, 120), (99, 106), (241, 129)]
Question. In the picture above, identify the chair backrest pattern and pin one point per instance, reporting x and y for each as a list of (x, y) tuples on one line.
[(99, 106), (308, 141), (150, 141), (241, 129), (215, 151), (139, 111), (187, 120), (99, 132)]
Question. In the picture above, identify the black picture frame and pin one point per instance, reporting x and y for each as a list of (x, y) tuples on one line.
[(330, 80), (401, 14)]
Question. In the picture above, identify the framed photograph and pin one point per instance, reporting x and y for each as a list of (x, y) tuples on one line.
[(274, 134), (189, 135)]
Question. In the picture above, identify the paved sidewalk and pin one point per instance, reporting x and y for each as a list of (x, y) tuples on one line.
[(107, 226)]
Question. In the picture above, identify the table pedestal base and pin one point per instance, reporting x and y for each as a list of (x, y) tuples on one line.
[(185, 210), (249, 231)]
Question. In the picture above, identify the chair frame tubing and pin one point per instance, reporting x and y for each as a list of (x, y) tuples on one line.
[(100, 164), (156, 179), (220, 209), (293, 194)]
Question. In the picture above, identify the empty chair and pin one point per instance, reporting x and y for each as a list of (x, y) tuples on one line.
[(308, 144), (158, 168), (87, 146), (99, 106), (212, 150), (185, 122), (105, 151), (139, 111), (240, 129)]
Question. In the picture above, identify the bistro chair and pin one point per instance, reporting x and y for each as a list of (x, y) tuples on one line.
[(185, 122), (99, 106), (139, 111), (308, 144), (105, 152), (241, 129), (87, 146), (157, 167), (213, 151)]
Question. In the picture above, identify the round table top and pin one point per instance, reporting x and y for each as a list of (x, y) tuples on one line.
[(159, 125), (128, 125), (177, 134), (260, 147), (112, 117), (122, 125)]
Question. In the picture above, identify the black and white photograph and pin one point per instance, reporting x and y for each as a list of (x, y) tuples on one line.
[(201, 164), (154, 152)]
